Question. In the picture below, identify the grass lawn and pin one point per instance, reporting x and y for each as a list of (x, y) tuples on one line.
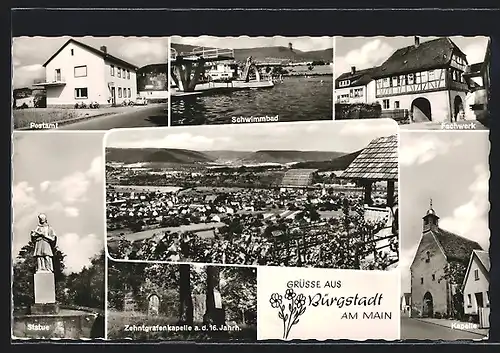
[(118, 329), (23, 117)]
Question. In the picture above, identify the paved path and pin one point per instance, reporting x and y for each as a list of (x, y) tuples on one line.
[(415, 329), (150, 116)]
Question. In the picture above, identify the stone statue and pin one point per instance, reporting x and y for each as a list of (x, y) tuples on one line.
[(45, 239)]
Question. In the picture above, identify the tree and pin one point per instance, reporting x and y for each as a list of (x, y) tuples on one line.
[(213, 315), (185, 298), (86, 288), (123, 277), (23, 270), (454, 274), (240, 293)]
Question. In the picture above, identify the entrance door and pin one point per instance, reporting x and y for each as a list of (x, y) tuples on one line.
[(58, 75), (479, 300), (113, 96), (428, 309), (457, 107), (421, 110)]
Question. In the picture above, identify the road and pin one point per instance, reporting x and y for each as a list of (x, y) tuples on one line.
[(150, 116), (413, 329)]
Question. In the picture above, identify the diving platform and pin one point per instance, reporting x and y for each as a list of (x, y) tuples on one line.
[(188, 72), (202, 54)]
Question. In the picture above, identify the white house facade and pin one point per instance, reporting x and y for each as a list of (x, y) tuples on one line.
[(80, 73), (476, 285), (355, 87)]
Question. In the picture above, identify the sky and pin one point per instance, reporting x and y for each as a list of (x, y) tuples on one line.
[(451, 168), (30, 53), (61, 175), (242, 42), (340, 136), (367, 52)]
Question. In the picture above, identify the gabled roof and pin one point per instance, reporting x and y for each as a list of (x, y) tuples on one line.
[(359, 78), (484, 260), (98, 52), (297, 177), (428, 55), (455, 247), (475, 67), (378, 161)]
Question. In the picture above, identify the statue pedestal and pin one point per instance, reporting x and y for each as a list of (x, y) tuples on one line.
[(45, 294)]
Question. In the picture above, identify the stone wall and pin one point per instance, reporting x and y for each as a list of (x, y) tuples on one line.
[(69, 323)]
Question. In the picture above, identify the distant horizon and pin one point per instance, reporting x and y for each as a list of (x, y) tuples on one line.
[(226, 150), (303, 43), (259, 47)]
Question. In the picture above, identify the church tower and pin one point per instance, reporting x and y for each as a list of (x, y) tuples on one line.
[(431, 219)]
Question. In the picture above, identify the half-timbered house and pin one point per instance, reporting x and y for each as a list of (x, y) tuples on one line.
[(425, 79)]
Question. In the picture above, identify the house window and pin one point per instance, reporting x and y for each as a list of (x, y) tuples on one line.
[(418, 77), (129, 93), (425, 76), (112, 70), (433, 277), (396, 104), (358, 92), (72, 52), (128, 75), (385, 104), (344, 83), (119, 92), (476, 274), (81, 71), (469, 299), (81, 93), (432, 75), (58, 77), (119, 73)]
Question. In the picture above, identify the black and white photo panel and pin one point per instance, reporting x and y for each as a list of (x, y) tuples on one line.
[(89, 83), (445, 236), (155, 301), (315, 194), (58, 254), (232, 80), (423, 83)]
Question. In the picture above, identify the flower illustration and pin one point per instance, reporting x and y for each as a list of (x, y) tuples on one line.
[(275, 300), (296, 307), (301, 300), (289, 294)]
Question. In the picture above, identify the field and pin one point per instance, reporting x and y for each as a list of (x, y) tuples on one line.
[(118, 321)]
